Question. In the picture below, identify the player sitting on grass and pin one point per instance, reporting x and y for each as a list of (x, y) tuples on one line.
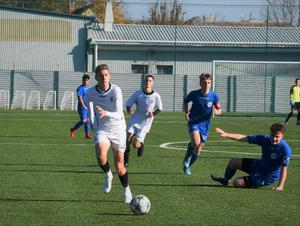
[(205, 103), (148, 105), (82, 108), (271, 167)]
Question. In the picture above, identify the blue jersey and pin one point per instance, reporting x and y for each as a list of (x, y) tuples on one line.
[(81, 91), (202, 107), (273, 157)]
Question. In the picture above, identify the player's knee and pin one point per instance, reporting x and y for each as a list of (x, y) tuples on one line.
[(238, 183)]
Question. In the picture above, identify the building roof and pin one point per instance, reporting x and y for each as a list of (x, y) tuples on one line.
[(168, 35)]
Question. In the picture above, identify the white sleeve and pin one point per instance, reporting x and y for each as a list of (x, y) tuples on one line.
[(131, 99), (159, 105), (92, 113), (118, 114)]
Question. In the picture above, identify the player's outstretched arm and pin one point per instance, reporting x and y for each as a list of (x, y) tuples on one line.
[(233, 136), (283, 175)]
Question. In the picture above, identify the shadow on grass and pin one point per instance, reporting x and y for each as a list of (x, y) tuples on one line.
[(39, 164), (117, 214), (181, 185), (56, 200), (48, 171)]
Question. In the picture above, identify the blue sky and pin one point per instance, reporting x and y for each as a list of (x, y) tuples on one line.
[(223, 9)]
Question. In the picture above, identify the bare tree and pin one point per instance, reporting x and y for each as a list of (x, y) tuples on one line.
[(284, 11), (160, 13)]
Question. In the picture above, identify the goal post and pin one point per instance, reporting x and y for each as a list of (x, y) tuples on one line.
[(4, 99), (254, 86), (67, 102), (34, 100), (19, 100), (50, 101)]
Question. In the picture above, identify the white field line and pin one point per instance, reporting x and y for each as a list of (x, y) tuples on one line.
[(167, 146)]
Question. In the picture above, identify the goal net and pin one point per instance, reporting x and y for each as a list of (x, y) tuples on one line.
[(50, 101), (34, 100), (67, 102), (254, 86), (4, 99), (18, 101)]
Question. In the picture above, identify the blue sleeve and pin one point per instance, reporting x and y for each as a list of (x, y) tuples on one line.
[(285, 161), (187, 98), (216, 98), (256, 139), (79, 92)]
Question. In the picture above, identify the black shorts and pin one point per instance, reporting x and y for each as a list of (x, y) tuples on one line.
[(296, 106), (246, 167)]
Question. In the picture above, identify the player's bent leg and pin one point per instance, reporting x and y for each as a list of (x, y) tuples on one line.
[(196, 142), (129, 139)]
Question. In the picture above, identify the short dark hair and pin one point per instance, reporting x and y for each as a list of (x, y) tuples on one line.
[(277, 127), (205, 76), (149, 76), (297, 79), (85, 77), (101, 67)]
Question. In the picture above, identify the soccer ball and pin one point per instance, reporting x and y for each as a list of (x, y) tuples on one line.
[(140, 205)]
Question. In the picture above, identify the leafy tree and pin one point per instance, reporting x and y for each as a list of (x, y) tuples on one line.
[(99, 10)]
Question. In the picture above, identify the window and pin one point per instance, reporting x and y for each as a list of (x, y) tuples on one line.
[(164, 69), (139, 69)]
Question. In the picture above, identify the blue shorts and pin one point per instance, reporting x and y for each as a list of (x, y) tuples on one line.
[(202, 128), (83, 114)]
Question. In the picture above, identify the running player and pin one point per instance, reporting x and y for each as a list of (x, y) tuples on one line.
[(294, 101), (205, 103), (148, 104), (270, 168), (109, 128), (82, 108)]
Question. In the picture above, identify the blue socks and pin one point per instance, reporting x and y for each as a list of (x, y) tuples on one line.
[(86, 126), (78, 125)]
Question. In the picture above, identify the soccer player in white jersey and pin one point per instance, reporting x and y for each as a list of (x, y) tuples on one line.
[(109, 128), (148, 104)]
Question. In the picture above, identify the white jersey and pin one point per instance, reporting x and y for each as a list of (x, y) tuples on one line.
[(112, 102), (145, 103)]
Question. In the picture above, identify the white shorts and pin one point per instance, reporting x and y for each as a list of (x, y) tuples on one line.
[(117, 139), (139, 133)]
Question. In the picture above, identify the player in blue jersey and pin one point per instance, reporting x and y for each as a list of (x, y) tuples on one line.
[(204, 104), (270, 168), (82, 108)]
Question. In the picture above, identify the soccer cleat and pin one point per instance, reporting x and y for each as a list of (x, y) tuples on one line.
[(127, 196), (72, 133), (221, 180), (140, 150), (187, 171), (88, 136), (107, 182)]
